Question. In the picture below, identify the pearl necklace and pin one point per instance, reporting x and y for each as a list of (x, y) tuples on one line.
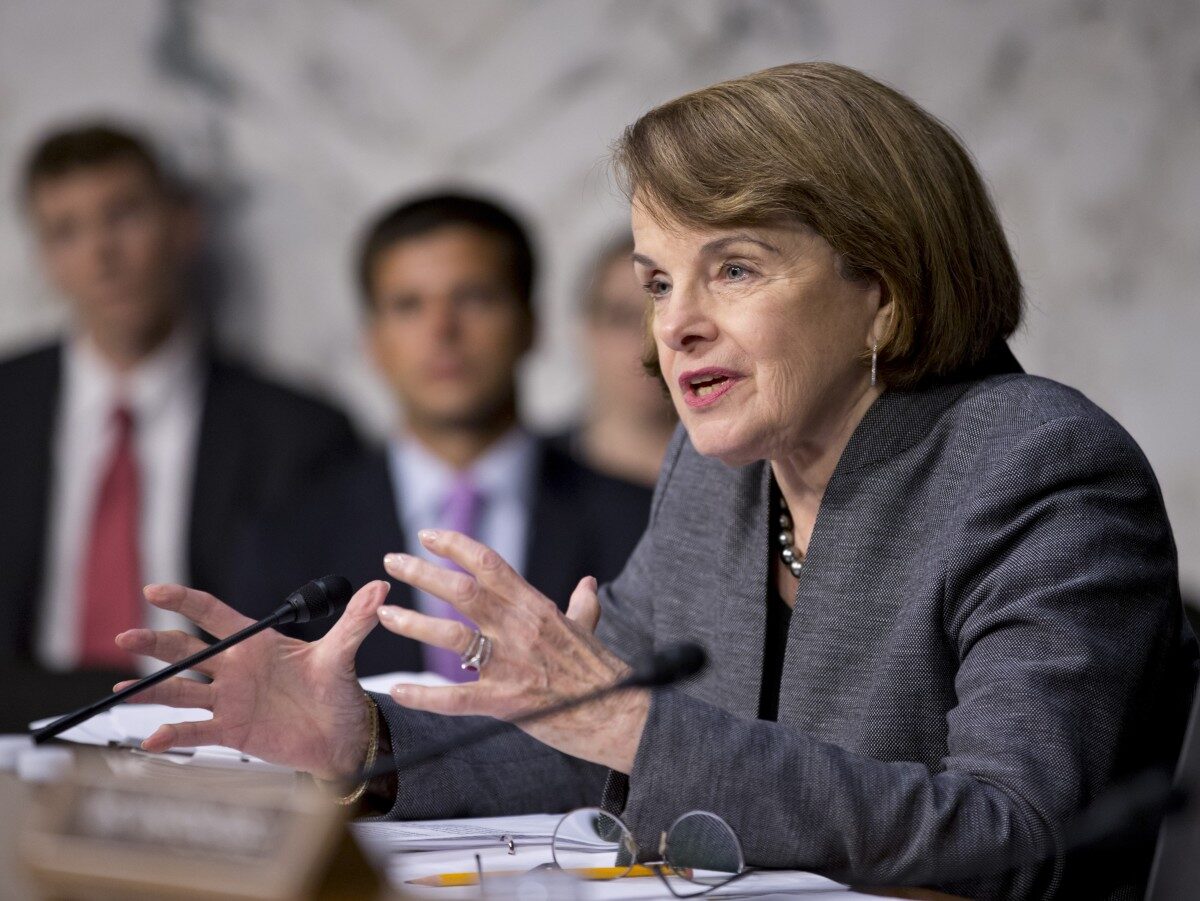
[(792, 558)]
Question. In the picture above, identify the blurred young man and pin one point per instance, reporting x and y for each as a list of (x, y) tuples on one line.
[(447, 284), (132, 453)]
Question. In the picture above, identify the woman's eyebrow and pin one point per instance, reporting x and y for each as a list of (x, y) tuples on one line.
[(718, 245), (715, 246)]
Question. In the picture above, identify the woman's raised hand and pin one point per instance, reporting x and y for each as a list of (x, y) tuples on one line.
[(539, 656), (290, 702)]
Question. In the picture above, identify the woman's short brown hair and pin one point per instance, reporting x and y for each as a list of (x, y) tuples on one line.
[(883, 181)]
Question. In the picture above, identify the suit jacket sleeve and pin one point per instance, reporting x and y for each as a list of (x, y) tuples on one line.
[(508, 774), (1061, 608)]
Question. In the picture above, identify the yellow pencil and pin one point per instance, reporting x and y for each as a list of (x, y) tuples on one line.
[(455, 879)]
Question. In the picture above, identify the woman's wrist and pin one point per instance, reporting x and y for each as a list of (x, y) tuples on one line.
[(380, 795), (368, 761), (354, 744), (375, 794), (626, 727)]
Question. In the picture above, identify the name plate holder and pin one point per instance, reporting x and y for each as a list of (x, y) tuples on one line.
[(126, 826)]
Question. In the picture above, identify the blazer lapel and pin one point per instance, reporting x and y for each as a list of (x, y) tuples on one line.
[(554, 546), (376, 530), (745, 549), (220, 462), (712, 547)]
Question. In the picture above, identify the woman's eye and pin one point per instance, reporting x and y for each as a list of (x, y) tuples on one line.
[(735, 271), (656, 287)]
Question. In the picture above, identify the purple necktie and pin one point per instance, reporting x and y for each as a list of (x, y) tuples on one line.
[(460, 513)]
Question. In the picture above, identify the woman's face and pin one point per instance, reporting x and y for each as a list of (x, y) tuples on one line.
[(760, 339)]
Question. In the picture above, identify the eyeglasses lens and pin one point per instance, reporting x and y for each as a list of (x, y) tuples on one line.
[(704, 844), (592, 844)]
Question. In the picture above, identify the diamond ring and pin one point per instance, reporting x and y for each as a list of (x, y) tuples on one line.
[(478, 652)]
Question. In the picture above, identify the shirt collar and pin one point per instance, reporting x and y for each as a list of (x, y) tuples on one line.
[(94, 384), (504, 471)]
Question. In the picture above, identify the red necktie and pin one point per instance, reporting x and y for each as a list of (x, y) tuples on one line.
[(111, 588)]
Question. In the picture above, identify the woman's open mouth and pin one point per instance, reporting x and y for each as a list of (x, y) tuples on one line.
[(702, 387)]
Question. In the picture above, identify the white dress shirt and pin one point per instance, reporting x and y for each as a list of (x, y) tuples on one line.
[(164, 393), (505, 477)]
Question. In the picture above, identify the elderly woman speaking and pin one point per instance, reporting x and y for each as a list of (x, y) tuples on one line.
[(939, 596)]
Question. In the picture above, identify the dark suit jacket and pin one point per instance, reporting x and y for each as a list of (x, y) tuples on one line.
[(258, 442), (581, 523), (987, 635)]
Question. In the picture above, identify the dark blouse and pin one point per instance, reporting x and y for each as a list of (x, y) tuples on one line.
[(779, 617)]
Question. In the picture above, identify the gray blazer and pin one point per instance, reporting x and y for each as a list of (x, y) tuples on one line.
[(987, 634)]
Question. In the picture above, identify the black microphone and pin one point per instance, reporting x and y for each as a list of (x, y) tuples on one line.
[(314, 600), (665, 667), (672, 663)]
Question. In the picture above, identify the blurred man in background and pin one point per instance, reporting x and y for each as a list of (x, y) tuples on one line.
[(447, 285), (628, 419), (132, 453)]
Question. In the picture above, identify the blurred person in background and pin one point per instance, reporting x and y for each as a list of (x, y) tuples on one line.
[(132, 451), (447, 285), (629, 419)]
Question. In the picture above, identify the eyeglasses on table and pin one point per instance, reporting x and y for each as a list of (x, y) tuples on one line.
[(699, 848)]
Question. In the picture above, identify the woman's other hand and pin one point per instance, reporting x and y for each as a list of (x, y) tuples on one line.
[(291, 702), (539, 656)]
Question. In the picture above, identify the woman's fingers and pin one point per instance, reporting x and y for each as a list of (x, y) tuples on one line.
[(584, 606), (200, 607), (169, 647), (443, 633), (488, 567), (183, 735), (449, 700), (457, 588), (356, 621), (176, 692)]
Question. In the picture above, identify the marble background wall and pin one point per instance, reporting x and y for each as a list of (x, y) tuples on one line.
[(304, 116)]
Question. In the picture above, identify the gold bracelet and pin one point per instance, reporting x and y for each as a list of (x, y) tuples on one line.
[(372, 751)]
